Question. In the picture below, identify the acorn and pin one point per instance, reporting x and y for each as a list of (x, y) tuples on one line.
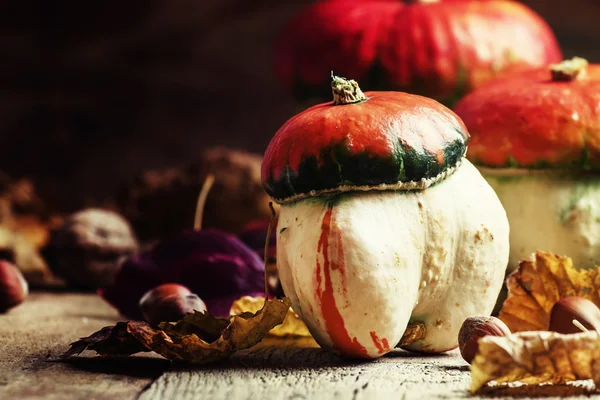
[(169, 302), (13, 286), (473, 329), (574, 308)]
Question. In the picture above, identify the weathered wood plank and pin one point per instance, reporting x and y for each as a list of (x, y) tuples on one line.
[(301, 370), (42, 328)]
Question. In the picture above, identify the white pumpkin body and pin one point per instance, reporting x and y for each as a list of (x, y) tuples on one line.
[(550, 211), (359, 267)]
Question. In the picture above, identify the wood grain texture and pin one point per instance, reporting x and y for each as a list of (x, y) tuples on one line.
[(39, 330), (35, 333), (303, 371), (298, 369)]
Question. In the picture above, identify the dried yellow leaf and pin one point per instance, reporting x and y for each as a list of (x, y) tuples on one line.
[(538, 283), (292, 324), (536, 358)]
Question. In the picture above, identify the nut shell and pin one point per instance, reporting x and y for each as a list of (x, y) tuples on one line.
[(572, 308), (13, 286), (88, 249), (163, 291), (169, 302), (473, 329)]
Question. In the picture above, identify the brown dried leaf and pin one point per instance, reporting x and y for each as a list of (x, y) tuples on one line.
[(538, 283), (536, 358), (201, 324), (292, 324), (198, 338), (114, 340)]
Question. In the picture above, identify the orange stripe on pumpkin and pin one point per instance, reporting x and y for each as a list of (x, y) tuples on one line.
[(382, 345), (334, 322)]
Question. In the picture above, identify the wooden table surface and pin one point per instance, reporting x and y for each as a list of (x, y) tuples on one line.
[(35, 333)]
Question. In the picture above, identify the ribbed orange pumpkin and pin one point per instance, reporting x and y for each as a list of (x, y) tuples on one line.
[(538, 118), (438, 48)]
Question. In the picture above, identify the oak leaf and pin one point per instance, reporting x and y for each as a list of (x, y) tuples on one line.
[(198, 338), (292, 325), (538, 283), (536, 358)]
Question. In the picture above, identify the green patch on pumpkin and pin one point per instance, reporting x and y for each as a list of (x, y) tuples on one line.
[(582, 188), (337, 166)]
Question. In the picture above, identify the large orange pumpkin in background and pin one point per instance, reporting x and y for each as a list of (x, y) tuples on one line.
[(535, 137), (438, 48)]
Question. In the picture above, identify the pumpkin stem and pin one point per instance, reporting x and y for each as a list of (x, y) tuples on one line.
[(208, 181), (569, 70), (346, 91)]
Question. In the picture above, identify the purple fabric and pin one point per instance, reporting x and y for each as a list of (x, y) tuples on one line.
[(215, 265)]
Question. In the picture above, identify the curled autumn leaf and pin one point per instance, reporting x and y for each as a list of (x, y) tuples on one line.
[(110, 340), (538, 283), (536, 358), (292, 325), (198, 338)]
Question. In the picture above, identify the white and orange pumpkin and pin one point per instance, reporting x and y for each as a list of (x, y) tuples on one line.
[(536, 140), (386, 235)]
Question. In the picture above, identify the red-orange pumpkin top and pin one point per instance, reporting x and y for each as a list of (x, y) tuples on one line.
[(548, 117), (370, 141), (437, 48)]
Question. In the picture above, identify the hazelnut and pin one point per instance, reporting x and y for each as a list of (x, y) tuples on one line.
[(475, 328), (88, 249), (169, 302), (13, 287), (572, 308)]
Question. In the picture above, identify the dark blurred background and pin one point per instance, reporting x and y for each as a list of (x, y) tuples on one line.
[(94, 92)]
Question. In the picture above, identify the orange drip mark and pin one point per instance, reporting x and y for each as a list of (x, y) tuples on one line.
[(341, 264), (334, 323), (382, 345)]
